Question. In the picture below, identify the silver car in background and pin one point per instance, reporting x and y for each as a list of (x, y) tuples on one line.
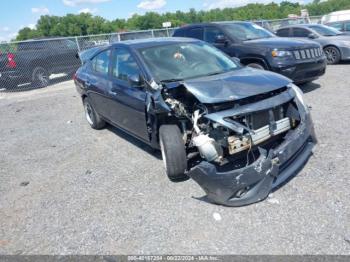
[(336, 45)]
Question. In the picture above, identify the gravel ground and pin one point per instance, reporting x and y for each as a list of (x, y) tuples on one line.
[(67, 189)]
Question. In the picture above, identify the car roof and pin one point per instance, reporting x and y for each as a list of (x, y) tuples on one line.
[(213, 23), (150, 42), (298, 25)]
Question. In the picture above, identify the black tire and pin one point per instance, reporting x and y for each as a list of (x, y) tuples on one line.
[(332, 54), (40, 77), (95, 121), (173, 152), (256, 66)]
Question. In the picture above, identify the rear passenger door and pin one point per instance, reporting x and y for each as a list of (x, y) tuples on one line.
[(300, 32), (98, 82), (283, 32)]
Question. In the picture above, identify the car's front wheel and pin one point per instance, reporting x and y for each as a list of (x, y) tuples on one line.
[(173, 152), (95, 121)]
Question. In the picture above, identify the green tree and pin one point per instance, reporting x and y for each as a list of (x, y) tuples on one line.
[(85, 24)]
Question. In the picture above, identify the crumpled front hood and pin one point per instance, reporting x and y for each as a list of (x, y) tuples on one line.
[(234, 85)]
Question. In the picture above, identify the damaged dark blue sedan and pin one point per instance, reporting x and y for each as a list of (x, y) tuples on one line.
[(237, 131)]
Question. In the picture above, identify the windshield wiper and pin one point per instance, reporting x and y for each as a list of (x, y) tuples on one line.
[(215, 73)]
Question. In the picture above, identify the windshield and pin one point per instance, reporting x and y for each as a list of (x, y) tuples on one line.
[(180, 61), (325, 30), (247, 31)]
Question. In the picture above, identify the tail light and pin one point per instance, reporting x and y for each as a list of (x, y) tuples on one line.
[(75, 76), (11, 63)]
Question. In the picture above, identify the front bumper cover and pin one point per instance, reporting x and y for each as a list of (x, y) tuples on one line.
[(303, 71), (258, 179)]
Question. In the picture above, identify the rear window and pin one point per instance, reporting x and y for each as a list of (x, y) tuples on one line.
[(100, 63)]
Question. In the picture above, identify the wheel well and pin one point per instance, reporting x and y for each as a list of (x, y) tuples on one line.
[(38, 63), (331, 46), (248, 61)]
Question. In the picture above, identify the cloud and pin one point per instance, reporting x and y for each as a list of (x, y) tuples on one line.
[(79, 2), (88, 11), (213, 4), (151, 4), (40, 10), (31, 26), (8, 37), (5, 29)]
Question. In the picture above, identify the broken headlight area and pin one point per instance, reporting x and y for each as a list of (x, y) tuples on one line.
[(240, 150)]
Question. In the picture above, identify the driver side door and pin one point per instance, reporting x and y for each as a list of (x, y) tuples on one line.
[(127, 102), (211, 35)]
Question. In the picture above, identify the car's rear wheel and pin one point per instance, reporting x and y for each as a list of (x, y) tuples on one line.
[(173, 152), (40, 77), (332, 54), (256, 66), (95, 121)]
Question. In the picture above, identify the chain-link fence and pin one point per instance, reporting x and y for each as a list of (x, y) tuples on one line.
[(274, 25), (39, 63)]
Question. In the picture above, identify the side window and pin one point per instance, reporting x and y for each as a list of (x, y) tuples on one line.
[(300, 32), (124, 65), (283, 32), (347, 26), (100, 63), (195, 33), (211, 33), (33, 45), (68, 44)]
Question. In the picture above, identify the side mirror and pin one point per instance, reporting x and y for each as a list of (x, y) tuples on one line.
[(221, 39), (312, 36), (135, 80)]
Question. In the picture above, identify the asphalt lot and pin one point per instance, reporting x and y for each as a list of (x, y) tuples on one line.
[(67, 189)]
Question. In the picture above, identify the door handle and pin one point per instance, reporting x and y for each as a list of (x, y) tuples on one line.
[(87, 83)]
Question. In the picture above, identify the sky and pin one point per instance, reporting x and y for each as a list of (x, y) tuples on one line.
[(16, 14)]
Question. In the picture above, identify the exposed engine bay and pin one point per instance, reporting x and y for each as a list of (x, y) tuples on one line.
[(216, 142), (240, 148)]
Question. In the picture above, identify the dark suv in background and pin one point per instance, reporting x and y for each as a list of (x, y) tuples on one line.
[(35, 60), (257, 47)]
